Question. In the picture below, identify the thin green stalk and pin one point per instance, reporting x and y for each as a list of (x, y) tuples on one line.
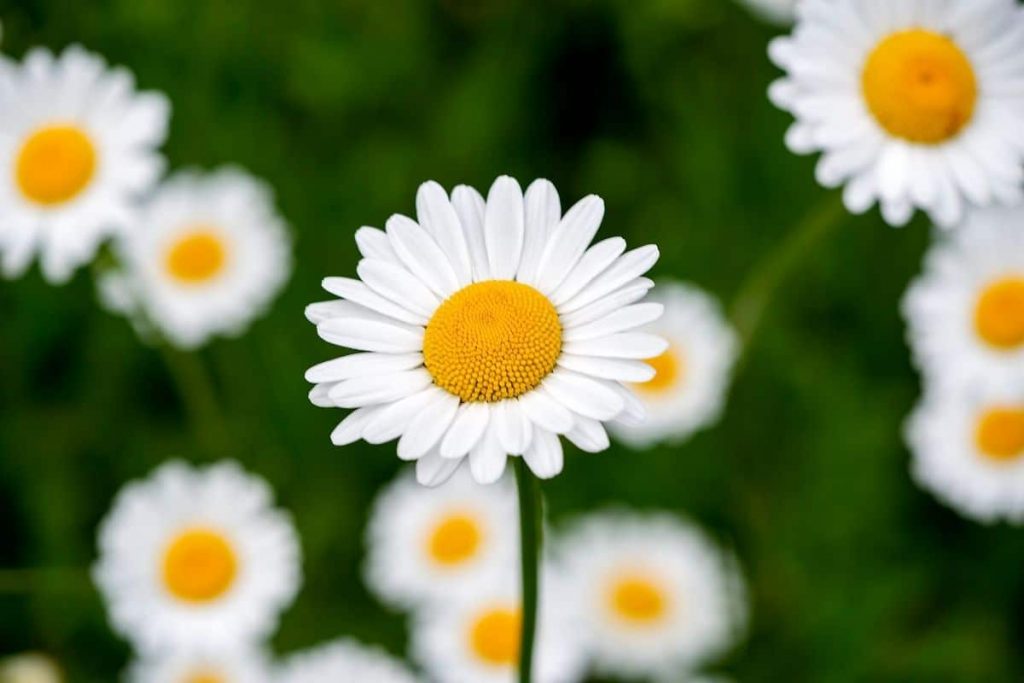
[(199, 398), (48, 579), (531, 546)]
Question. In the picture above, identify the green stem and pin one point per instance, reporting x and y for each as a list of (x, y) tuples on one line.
[(760, 287), (50, 579), (199, 398), (531, 539)]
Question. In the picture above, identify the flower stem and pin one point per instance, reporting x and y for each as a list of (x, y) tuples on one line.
[(531, 539), (200, 400), (49, 579)]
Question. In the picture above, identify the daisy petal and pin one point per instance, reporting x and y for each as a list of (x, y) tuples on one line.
[(422, 256), (367, 391), (371, 335), (350, 429), (568, 242), (621, 320), (433, 470), (488, 459), (470, 207), (625, 345), (466, 430), (589, 435), (545, 456), (629, 266), (617, 369), (438, 217), (543, 211), (362, 364), (634, 291), (583, 395), (427, 428), (395, 283), (373, 243), (594, 262), (358, 292), (391, 421), (503, 227), (545, 412), (511, 426)]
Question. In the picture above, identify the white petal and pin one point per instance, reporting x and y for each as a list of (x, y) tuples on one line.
[(629, 266), (433, 470), (399, 285), (367, 391), (350, 429), (545, 456), (543, 211), (320, 395), (427, 428), (420, 254), (545, 412), (373, 243), (466, 430), (635, 412), (594, 262), (625, 295), (503, 227), (371, 335), (511, 426), (568, 241), (617, 369), (393, 418), (362, 364), (437, 216), (625, 345), (470, 207), (487, 460), (583, 395), (325, 310), (624, 319), (589, 435), (358, 292)]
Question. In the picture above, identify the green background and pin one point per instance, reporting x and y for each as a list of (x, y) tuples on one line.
[(659, 107)]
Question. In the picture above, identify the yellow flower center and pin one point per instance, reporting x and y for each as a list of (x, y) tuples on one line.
[(638, 600), (454, 540), (492, 340), (205, 677), (669, 369), (197, 257), (999, 315), (200, 565), (920, 86), (1000, 433), (55, 164), (495, 634)]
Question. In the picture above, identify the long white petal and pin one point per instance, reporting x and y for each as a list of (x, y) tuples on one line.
[(627, 318), (426, 429), (545, 412), (391, 421), (371, 335), (568, 241), (629, 266), (368, 391), (399, 285), (503, 227), (617, 369), (470, 207), (630, 293), (358, 292), (589, 435), (362, 364), (373, 243), (433, 470), (487, 460), (351, 428), (543, 211), (583, 395), (438, 217), (624, 345), (422, 256), (594, 262), (511, 426), (466, 430), (545, 456)]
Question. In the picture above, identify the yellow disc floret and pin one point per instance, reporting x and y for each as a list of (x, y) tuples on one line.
[(495, 634), (1000, 433), (920, 86), (205, 677), (196, 257), (637, 600), (199, 565), (55, 164), (999, 314), (454, 540), (668, 372), (492, 340)]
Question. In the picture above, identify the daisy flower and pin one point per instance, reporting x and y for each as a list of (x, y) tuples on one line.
[(968, 450), (913, 103), (657, 598), (229, 666), (692, 375), (965, 314), (29, 668), (344, 660), (475, 636), (774, 11), (208, 256), (427, 544), (196, 559), (487, 329), (80, 145)]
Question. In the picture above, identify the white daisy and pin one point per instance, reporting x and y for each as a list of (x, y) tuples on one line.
[(487, 329), (427, 544), (208, 256), (196, 558), (692, 375), (914, 103), (224, 666), (774, 11), (968, 449), (29, 668), (656, 596), (965, 314), (343, 661), (80, 143), (475, 637)]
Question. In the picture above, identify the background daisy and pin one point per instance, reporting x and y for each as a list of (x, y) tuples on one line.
[(29, 668), (79, 143), (344, 660), (196, 559), (222, 666)]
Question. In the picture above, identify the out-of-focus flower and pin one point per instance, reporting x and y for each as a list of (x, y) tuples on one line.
[(475, 637), (968, 448), (774, 11), (29, 668), (344, 660), (223, 666), (196, 559), (692, 375), (965, 314), (207, 256), (80, 145), (487, 329), (655, 596), (914, 104), (429, 544)]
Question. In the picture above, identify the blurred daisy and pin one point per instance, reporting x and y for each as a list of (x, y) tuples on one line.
[(692, 375), (968, 449), (230, 666), (474, 638), (29, 668), (196, 559), (342, 661), (914, 103), (80, 143), (965, 314), (208, 256), (427, 544), (487, 329), (657, 598), (774, 11)]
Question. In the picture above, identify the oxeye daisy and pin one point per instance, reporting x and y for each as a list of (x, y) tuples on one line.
[(968, 449), (965, 314), (344, 660), (80, 145), (687, 390), (487, 329), (208, 255), (29, 668), (913, 103), (196, 559), (231, 666), (656, 597), (428, 544)]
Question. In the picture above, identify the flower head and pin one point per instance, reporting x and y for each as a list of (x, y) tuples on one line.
[(344, 660), (235, 665)]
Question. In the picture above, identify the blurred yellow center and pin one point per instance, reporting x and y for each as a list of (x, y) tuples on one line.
[(199, 565), (55, 164), (638, 600), (492, 340), (1000, 433), (205, 677), (455, 540), (920, 86), (669, 368), (198, 256), (495, 635), (999, 315)]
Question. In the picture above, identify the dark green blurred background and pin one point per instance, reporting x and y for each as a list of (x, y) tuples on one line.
[(660, 107)]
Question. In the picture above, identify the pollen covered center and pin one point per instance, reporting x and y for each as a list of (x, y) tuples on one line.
[(199, 565), (638, 600), (205, 677), (55, 164), (1000, 433), (456, 539), (669, 369), (492, 340), (999, 315), (197, 257), (920, 86), (494, 636)]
